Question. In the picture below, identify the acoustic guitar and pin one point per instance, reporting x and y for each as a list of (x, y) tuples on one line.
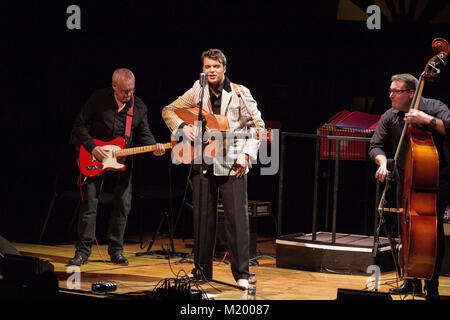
[(216, 131)]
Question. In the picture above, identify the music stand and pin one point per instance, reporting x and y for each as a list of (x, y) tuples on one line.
[(171, 248)]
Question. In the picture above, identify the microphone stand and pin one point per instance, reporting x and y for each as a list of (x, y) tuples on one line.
[(199, 146), (198, 154), (382, 220)]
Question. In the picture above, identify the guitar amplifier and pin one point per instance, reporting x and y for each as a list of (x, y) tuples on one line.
[(255, 208)]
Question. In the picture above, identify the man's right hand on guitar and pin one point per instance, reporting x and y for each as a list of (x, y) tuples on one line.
[(190, 132), (99, 153)]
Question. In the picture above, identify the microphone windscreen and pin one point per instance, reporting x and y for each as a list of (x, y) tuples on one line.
[(203, 79)]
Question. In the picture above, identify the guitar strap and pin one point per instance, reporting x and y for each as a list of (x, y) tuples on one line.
[(240, 92), (128, 122)]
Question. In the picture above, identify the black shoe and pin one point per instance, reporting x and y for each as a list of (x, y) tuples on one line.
[(78, 260), (432, 296), (431, 291), (409, 286), (198, 275), (118, 258)]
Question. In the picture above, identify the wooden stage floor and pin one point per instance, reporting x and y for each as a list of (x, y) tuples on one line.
[(145, 272)]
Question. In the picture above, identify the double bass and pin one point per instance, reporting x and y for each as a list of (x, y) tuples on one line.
[(418, 222)]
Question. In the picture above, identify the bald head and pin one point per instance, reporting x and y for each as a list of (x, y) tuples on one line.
[(122, 73)]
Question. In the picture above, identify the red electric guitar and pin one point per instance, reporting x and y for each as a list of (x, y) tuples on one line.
[(91, 167)]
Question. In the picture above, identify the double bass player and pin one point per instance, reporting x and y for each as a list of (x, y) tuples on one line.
[(432, 116)]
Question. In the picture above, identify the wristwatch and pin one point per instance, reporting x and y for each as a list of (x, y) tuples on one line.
[(433, 122)]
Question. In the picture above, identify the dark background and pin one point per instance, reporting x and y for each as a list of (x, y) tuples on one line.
[(301, 64)]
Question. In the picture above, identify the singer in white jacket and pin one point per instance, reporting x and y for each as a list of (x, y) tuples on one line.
[(228, 173)]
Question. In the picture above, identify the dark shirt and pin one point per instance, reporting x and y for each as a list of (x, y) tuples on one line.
[(216, 101), (99, 119), (389, 129)]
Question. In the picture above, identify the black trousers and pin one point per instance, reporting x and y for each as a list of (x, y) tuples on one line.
[(233, 192), (441, 203), (121, 206)]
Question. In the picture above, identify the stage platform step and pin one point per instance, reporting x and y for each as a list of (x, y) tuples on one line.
[(349, 254)]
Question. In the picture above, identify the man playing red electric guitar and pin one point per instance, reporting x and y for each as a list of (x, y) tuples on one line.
[(104, 117)]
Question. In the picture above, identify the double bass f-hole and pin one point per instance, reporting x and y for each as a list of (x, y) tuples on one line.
[(404, 213)]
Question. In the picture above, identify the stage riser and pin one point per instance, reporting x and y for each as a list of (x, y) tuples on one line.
[(331, 259)]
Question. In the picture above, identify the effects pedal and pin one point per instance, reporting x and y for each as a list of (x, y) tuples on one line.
[(103, 287)]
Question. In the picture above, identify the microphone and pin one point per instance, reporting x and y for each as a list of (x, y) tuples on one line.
[(203, 79)]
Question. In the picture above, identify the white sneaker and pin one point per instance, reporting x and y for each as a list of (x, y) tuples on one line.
[(243, 283)]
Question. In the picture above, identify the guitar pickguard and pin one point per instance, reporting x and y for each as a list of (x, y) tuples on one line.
[(110, 161)]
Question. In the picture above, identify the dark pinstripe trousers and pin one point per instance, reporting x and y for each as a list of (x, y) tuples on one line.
[(233, 193)]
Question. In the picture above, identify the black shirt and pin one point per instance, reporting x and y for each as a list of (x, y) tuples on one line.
[(216, 101), (388, 132), (99, 119)]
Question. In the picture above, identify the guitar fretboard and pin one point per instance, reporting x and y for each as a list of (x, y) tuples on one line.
[(136, 150)]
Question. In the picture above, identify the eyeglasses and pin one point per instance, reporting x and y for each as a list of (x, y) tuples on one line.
[(127, 92), (398, 91)]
